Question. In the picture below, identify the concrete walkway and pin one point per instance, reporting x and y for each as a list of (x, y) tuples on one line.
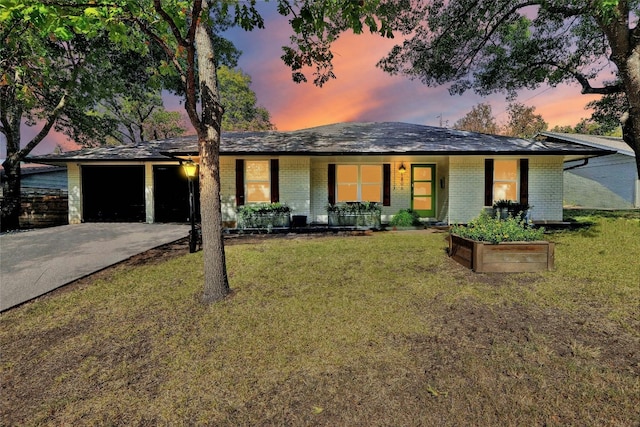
[(35, 262)]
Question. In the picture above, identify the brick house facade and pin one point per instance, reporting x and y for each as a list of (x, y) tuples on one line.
[(447, 175)]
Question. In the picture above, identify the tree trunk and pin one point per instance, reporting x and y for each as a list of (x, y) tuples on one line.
[(629, 69), (631, 120), (216, 284), (10, 215), (11, 197), (625, 54)]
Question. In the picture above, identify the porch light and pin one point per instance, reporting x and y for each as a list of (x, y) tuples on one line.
[(402, 170), (190, 168)]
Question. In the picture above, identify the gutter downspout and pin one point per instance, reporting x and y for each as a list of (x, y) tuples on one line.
[(585, 162)]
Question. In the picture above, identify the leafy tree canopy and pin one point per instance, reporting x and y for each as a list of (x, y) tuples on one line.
[(507, 45), (523, 122), (479, 119), (186, 31), (608, 110), (54, 84), (240, 110), (138, 120)]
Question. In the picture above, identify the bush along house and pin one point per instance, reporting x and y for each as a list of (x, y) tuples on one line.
[(444, 175)]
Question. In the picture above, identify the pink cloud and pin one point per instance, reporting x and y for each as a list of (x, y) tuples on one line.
[(362, 92)]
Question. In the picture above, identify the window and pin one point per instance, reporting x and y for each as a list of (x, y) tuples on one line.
[(505, 180), (257, 181), (359, 183)]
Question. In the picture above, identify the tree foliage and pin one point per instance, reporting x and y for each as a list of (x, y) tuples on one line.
[(588, 127), (608, 110), (143, 118), (523, 122), (240, 110), (479, 119), (52, 84), (139, 119), (187, 31), (507, 45)]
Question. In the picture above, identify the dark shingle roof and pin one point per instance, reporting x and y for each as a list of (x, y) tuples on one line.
[(597, 141), (337, 139)]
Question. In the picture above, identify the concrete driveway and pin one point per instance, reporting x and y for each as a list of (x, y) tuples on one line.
[(35, 262)]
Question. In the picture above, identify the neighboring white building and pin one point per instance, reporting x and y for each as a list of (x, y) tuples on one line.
[(606, 182), (445, 175)]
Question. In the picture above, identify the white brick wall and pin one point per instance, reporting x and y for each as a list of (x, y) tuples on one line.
[(546, 188), (295, 185), (466, 188), (148, 193), (303, 186), (319, 193), (75, 193)]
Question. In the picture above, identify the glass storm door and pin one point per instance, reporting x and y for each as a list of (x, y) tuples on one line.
[(423, 190)]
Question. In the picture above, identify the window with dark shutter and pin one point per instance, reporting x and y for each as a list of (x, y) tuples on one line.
[(331, 179), (488, 182), (506, 180), (386, 184), (524, 181), (239, 182), (275, 181)]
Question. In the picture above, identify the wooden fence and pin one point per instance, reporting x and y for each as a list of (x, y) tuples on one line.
[(42, 208)]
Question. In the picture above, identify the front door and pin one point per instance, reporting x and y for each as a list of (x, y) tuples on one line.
[(423, 195)]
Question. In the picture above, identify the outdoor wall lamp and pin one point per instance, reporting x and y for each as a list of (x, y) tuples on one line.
[(402, 170), (191, 170)]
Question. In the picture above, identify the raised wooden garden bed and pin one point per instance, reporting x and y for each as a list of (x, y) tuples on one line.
[(361, 215), (504, 257), (265, 221), (368, 220)]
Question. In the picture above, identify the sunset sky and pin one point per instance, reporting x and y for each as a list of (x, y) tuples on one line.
[(361, 91)]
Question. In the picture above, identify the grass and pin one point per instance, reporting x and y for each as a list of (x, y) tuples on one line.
[(358, 331)]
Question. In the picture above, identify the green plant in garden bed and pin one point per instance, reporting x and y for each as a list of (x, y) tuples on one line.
[(360, 214), (492, 229), (354, 208), (405, 218), (263, 209), (264, 215), (505, 208)]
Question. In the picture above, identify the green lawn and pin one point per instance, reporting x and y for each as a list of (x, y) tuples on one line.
[(339, 331)]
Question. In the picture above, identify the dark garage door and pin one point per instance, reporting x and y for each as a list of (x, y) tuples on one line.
[(113, 193), (171, 194)]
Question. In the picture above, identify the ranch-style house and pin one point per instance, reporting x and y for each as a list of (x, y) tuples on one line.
[(445, 175)]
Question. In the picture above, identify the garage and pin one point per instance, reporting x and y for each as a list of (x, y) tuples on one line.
[(171, 194), (113, 193)]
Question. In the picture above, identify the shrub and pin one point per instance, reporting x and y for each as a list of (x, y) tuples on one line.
[(247, 211), (405, 218), (504, 208), (354, 208), (486, 228)]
